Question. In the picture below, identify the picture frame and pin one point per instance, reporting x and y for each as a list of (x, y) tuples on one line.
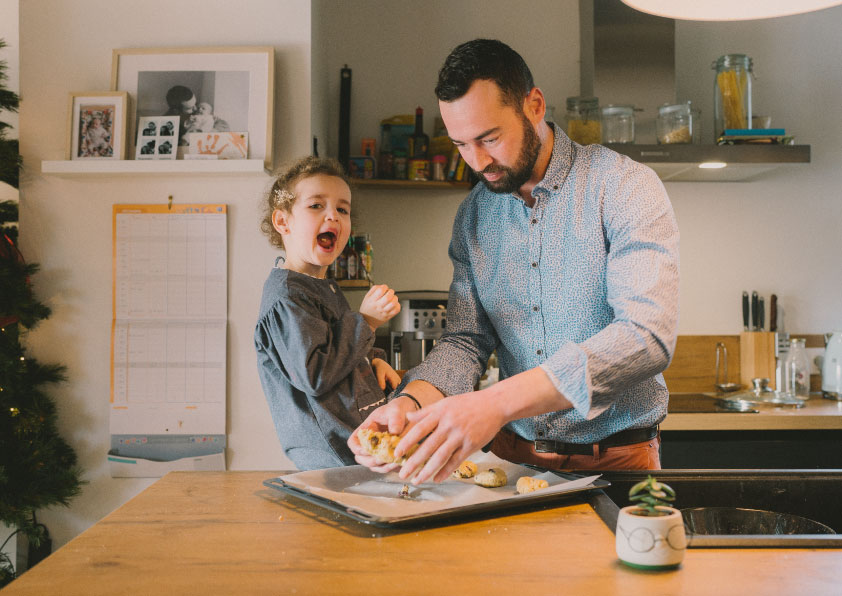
[(96, 125), (236, 82), (157, 137)]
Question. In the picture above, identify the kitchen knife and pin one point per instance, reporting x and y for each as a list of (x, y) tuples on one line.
[(773, 313), (754, 307), (745, 311), (761, 313)]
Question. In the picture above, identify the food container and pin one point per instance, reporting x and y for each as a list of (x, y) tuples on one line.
[(583, 125), (618, 124), (419, 169), (732, 92), (439, 164), (674, 124)]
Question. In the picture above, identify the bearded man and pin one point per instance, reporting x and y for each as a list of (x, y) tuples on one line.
[(565, 262)]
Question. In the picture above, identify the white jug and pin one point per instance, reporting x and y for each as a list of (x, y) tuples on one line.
[(832, 367)]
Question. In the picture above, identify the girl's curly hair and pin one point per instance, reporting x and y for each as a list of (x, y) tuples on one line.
[(282, 194)]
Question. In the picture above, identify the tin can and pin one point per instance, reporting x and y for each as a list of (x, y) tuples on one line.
[(419, 169), (439, 163)]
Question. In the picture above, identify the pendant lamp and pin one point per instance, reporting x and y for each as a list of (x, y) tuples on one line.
[(727, 10)]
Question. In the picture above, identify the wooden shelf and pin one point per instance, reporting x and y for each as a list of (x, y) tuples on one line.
[(132, 167), (358, 284), (408, 184)]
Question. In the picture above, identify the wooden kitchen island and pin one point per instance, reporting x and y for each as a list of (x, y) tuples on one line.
[(225, 533)]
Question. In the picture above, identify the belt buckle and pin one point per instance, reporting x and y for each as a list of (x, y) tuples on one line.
[(544, 446)]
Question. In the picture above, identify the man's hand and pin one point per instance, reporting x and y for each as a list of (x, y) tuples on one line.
[(454, 428), (379, 305), (391, 418), (385, 374)]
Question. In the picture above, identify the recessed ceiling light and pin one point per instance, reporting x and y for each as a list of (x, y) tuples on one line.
[(727, 10), (712, 165)]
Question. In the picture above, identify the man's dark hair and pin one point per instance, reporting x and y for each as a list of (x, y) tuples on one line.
[(485, 59), (178, 95)]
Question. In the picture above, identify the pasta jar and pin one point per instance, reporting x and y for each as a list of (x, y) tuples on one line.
[(674, 124), (618, 124), (732, 92), (583, 125)]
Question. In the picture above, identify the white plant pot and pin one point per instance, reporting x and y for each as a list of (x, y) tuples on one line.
[(656, 542)]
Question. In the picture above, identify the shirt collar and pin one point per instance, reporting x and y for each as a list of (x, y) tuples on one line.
[(561, 161)]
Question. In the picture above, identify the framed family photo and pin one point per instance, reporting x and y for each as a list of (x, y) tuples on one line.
[(157, 137), (215, 89), (97, 125)]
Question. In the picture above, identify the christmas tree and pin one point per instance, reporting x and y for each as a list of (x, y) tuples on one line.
[(37, 467)]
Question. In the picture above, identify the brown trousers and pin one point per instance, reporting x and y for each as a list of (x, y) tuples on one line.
[(638, 456)]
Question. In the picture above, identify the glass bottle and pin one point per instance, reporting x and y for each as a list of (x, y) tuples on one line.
[(418, 142), (796, 370), (674, 124), (583, 125), (617, 124), (732, 92), (352, 260)]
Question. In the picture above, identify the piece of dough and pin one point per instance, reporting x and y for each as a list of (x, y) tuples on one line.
[(467, 469), (382, 445), (527, 484), (491, 478)]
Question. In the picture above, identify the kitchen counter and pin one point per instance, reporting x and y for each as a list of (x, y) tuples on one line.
[(224, 533), (817, 414)]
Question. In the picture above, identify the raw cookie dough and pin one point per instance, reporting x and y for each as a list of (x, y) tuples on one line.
[(527, 484), (382, 446), (491, 478), (467, 469)]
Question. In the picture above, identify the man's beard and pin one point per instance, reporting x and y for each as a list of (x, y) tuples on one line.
[(515, 177)]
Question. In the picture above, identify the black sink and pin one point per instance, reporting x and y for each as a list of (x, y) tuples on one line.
[(812, 494)]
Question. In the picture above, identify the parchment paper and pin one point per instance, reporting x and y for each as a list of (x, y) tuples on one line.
[(378, 495)]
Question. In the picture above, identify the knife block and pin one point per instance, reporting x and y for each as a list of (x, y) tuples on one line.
[(757, 357)]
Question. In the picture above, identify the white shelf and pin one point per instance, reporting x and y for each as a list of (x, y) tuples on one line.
[(131, 167)]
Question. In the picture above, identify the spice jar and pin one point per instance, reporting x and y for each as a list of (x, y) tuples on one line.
[(732, 92), (583, 125), (439, 164), (674, 124), (618, 124)]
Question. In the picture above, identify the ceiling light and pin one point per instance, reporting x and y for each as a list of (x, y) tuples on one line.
[(712, 165), (727, 10)]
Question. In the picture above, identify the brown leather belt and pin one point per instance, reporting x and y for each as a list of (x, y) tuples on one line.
[(629, 436)]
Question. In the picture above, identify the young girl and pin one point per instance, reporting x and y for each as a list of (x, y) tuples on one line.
[(319, 372)]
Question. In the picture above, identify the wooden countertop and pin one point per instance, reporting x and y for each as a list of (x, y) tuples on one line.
[(224, 533), (817, 414)]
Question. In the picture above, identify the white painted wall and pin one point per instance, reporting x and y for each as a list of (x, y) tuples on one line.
[(779, 234), (66, 223)]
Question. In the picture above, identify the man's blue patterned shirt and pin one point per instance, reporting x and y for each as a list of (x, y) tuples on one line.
[(584, 284)]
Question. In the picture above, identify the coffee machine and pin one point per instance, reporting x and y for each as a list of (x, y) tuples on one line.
[(417, 328)]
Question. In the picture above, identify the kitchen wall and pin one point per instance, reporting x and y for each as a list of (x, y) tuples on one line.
[(779, 234)]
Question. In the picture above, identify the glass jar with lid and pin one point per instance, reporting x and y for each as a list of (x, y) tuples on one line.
[(732, 92), (582, 118), (674, 124), (796, 370), (618, 124)]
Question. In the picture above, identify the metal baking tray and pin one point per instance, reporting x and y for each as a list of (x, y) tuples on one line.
[(499, 505)]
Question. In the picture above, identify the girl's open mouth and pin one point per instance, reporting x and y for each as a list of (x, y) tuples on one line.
[(326, 240)]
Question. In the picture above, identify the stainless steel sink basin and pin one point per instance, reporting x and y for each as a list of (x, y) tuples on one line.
[(812, 494)]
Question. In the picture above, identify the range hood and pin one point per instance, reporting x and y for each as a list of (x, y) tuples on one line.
[(628, 57)]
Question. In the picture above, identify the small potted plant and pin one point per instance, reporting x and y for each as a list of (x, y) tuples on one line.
[(650, 533)]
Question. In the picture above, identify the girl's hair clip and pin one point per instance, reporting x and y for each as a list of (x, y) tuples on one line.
[(283, 197)]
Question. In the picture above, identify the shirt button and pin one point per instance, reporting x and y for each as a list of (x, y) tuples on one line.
[(540, 352), (534, 264), (540, 433), (535, 308), (555, 186), (534, 221)]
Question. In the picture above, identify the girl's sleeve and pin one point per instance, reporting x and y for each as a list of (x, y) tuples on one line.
[(311, 347)]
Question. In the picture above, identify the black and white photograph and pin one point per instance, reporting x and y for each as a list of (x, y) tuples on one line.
[(157, 137), (211, 90)]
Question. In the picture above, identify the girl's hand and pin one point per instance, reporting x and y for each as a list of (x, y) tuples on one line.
[(385, 373), (379, 305)]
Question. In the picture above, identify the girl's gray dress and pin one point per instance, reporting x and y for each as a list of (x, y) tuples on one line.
[(312, 357)]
